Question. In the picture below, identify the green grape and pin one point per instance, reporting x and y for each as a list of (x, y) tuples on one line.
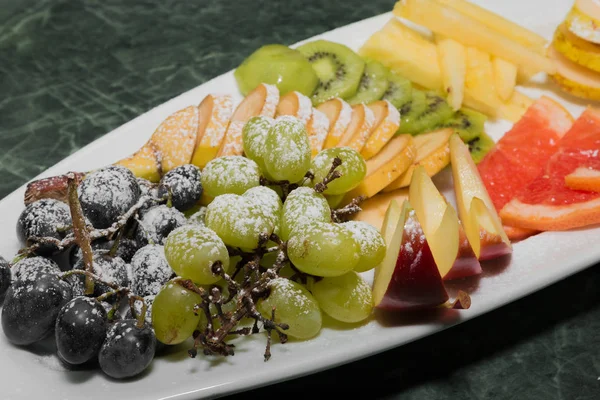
[(372, 244), (269, 203), (191, 251), (334, 200), (353, 169), (323, 249), (239, 220), (295, 306), (197, 218), (303, 206), (347, 298), (229, 174), (173, 316), (287, 150), (254, 136), (191, 211)]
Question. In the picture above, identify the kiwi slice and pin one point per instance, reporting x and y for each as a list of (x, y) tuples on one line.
[(469, 124), (373, 84), (425, 113), (399, 90), (338, 68), (480, 146)]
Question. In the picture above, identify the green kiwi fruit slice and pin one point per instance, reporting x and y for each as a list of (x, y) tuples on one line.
[(468, 123), (338, 68), (480, 146), (373, 84), (425, 113), (399, 90)]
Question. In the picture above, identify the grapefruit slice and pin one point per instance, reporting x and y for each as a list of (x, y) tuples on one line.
[(584, 179), (547, 203), (521, 154)]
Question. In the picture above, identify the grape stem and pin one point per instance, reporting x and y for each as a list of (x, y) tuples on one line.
[(348, 211), (80, 230), (331, 176)]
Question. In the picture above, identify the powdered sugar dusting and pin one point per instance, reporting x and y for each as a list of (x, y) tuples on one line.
[(219, 120), (393, 115), (175, 138), (343, 119), (233, 139), (318, 128), (271, 101)]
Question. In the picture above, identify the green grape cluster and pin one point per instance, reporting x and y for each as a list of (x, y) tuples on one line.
[(275, 188)]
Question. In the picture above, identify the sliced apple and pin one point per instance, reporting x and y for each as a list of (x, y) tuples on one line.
[(339, 114), (317, 128), (433, 153), (466, 263), (477, 213), (408, 278), (214, 115), (144, 163), (375, 210), (387, 122), (175, 138), (385, 167), (453, 65), (358, 131), (295, 104), (584, 179), (261, 101), (438, 220)]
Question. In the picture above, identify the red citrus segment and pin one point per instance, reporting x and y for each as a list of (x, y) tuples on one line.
[(547, 203), (521, 154)]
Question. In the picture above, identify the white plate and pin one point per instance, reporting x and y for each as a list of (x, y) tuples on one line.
[(536, 263)]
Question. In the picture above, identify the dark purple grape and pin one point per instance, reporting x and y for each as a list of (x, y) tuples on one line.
[(80, 330), (127, 350), (107, 194), (184, 185), (156, 224), (126, 249), (44, 218), (109, 269), (31, 306), (5, 276), (29, 268), (149, 270)]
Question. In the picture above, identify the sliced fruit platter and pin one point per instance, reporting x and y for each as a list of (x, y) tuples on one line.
[(289, 206)]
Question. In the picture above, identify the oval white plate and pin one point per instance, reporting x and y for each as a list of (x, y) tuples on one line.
[(536, 263)]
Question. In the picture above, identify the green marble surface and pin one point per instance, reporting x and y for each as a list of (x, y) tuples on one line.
[(70, 71)]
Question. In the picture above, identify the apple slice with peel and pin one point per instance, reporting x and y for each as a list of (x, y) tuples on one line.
[(477, 213), (466, 263), (438, 219), (408, 277), (374, 210)]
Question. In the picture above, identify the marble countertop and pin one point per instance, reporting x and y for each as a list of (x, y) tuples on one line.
[(70, 71)]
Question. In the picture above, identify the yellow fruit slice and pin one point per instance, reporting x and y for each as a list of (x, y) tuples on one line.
[(358, 131), (385, 167), (144, 163), (479, 79), (317, 128), (373, 210), (214, 115), (503, 26), (261, 101), (295, 104), (582, 52), (433, 153), (470, 32), (339, 114), (175, 138), (575, 79), (453, 66), (405, 52), (387, 122), (584, 179), (505, 77), (516, 106), (584, 20)]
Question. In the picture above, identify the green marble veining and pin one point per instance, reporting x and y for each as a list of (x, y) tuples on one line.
[(72, 70)]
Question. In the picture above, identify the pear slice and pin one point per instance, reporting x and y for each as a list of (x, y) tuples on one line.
[(386, 166), (295, 104), (573, 78), (144, 163), (477, 213), (339, 114), (433, 153), (387, 122), (261, 101), (358, 131), (374, 211), (214, 115), (317, 128)]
